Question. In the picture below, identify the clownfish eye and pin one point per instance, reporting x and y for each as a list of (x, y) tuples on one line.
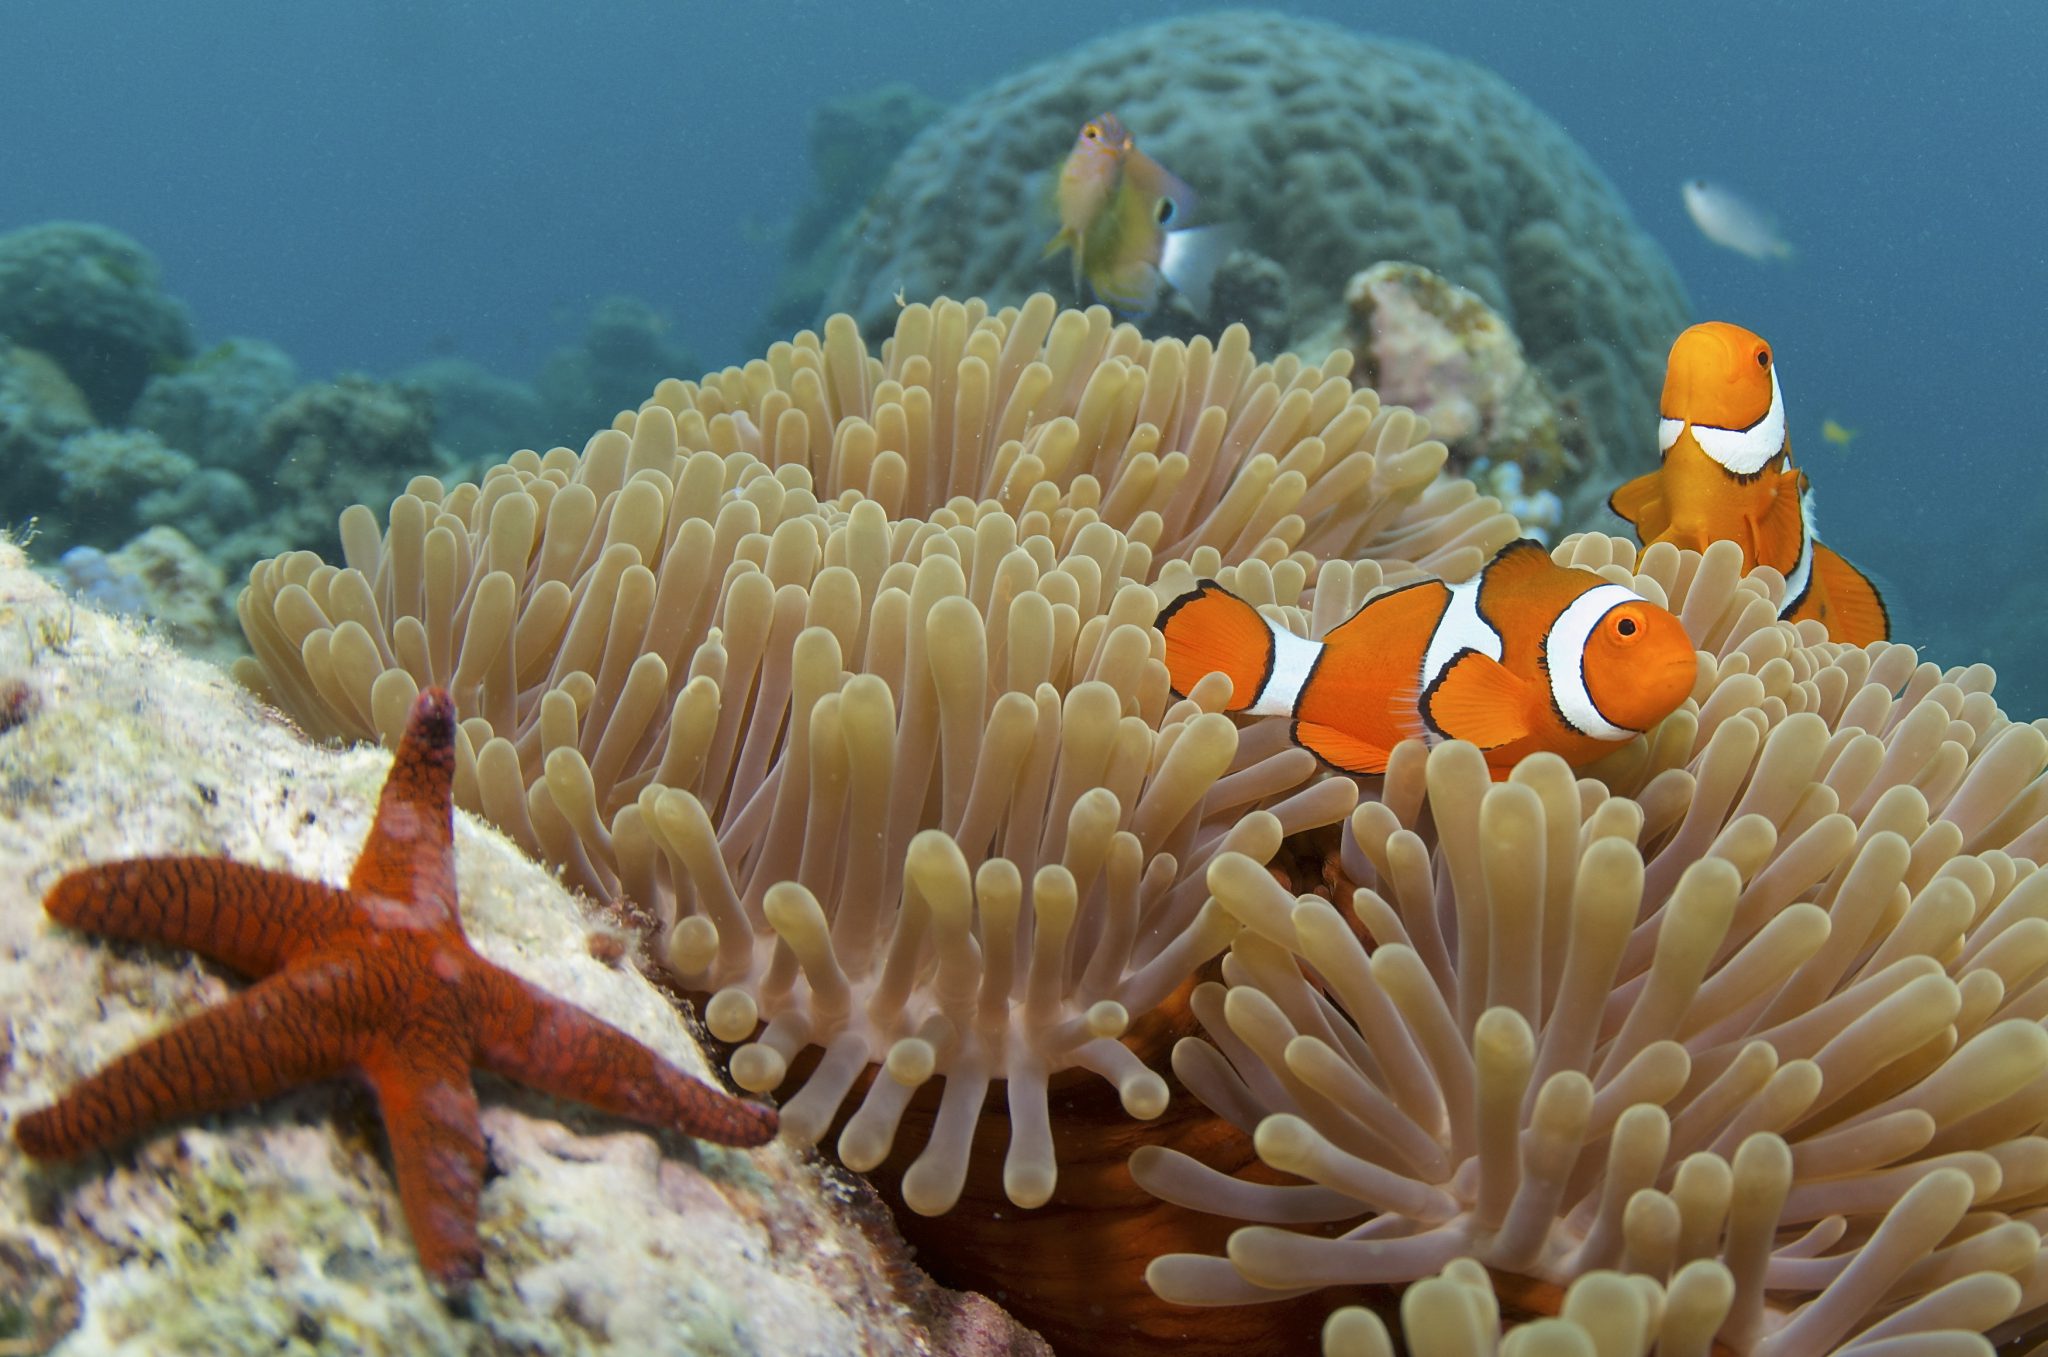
[(1626, 625), (1763, 358)]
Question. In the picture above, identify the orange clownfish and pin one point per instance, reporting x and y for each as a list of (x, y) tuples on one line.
[(1728, 473), (1527, 655)]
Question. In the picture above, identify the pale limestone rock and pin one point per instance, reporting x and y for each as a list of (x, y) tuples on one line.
[(277, 1228)]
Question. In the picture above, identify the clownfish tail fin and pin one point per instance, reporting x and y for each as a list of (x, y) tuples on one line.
[(1211, 630), (1856, 611)]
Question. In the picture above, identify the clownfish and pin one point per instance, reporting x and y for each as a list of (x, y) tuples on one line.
[(1728, 473), (1125, 218), (1525, 656)]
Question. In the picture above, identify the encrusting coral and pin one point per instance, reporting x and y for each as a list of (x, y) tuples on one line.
[(1751, 1013), (909, 790)]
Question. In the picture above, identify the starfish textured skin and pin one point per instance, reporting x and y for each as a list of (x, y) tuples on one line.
[(377, 979)]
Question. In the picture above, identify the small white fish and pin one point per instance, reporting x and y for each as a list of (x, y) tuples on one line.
[(1730, 222)]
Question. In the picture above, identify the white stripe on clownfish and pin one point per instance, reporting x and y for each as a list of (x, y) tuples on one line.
[(1744, 451), (1294, 659), (1461, 628), (1564, 652), (1800, 581)]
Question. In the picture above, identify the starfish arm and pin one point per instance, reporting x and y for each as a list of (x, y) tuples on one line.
[(250, 919), (410, 854), (530, 1036), (270, 1037), (437, 1153)]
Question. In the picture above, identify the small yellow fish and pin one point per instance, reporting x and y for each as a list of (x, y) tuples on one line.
[(1123, 216), (1834, 433)]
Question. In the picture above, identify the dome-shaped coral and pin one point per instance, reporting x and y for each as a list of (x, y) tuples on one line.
[(1333, 152), (90, 298)]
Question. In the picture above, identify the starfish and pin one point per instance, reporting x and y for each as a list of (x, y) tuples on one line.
[(376, 979)]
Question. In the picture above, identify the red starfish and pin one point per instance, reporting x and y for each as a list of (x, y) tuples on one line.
[(377, 979)]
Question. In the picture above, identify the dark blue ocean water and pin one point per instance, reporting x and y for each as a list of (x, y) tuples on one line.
[(368, 185)]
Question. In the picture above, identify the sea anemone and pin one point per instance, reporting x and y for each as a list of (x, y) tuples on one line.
[(1751, 1016), (843, 668)]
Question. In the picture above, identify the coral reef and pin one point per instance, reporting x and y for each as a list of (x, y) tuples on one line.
[(214, 406), (1334, 152), (91, 299), (479, 416), (1440, 350), (40, 407), (104, 474), (326, 444), (244, 1231), (624, 351), (1752, 1012), (854, 140), (159, 575)]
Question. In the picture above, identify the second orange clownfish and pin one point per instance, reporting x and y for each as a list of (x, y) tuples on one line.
[(1527, 655), (1728, 473)]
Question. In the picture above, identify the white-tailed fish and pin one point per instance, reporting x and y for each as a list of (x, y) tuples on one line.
[(1125, 218), (1728, 473), (1730, 222), (1527, 655)]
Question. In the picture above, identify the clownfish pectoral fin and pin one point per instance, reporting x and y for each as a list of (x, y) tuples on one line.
[(1780, 530), (1340, 749), (1212, 630), (1641, 503), (1855, 610), (1478, 698)]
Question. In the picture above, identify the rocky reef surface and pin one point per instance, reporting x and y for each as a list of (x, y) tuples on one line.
[(277, 1228)]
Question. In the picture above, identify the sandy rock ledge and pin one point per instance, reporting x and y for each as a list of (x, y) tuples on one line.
[(277, 1229)]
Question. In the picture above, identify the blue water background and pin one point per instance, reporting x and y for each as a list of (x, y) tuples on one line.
[(371, 184)]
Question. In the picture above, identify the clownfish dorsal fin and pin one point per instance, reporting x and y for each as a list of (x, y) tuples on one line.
[(1340, 749), (1518, 563), (1780, 529), (1639, 502), (1211, 630), (1477, 698)]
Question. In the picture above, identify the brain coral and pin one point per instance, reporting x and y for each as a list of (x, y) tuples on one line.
[(91, 299), (1334, 151)]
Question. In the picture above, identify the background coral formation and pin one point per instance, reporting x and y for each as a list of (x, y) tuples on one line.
[(91, 300), (853, 142), (1334, 152)]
